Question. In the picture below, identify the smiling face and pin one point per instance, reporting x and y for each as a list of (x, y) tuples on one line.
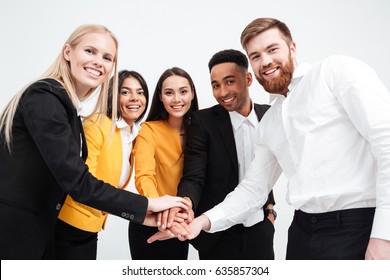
[(272, 60), (132, 100), (91, 60), (230, 87), (176, 96)]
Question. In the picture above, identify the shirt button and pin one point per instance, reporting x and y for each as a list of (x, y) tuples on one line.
[(58, 206), (313, 220)]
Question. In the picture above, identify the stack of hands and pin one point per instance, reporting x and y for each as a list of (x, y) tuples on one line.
[(177, 221)]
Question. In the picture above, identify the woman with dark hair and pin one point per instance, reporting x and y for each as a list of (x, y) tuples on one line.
[(158, 155), (109, 160)]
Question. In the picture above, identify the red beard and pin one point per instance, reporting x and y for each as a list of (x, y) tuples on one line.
[(278, 84)]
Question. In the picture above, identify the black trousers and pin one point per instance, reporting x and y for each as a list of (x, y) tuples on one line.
[(337, 235), (244, 243), (171, 249), (72, 243)]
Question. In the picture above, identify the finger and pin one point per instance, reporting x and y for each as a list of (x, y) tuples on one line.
[(186, 228), (186, 202), (179, 220), (159, 236), (158, 219), (181, 237), (164, 218), (172, 214), (185, 237), (191, 215), (181, 229), (182, 205), (182, 215)]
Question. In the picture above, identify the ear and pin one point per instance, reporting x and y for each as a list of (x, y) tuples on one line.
[(293, 49), (249, 78), (67, 49)]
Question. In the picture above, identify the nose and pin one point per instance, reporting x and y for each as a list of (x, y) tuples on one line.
[(224, 90), (133, 96), (266, 60), (176, 97), (97, 61)]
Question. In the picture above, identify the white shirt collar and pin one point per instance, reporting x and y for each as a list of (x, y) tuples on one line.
[(298, 74), (79, 107), (237, 119), (124, 126), (121, 123)]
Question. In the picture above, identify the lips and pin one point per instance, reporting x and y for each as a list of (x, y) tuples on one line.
[(93, 71), (228, 100), (133, 107), (270, 71), (177, 107)]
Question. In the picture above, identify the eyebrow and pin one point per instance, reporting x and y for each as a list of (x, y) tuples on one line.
[(138, 88), (272, 45), (168, 88), (96, 49), (224, 78), (267, 48)]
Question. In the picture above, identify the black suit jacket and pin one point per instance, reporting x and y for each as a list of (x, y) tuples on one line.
[(211, 165), (45, 164)]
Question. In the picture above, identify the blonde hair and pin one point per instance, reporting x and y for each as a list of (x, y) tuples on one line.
[(60, 71)]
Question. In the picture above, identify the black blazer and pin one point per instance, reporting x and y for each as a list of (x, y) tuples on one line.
[(45, 164), (211, 165)]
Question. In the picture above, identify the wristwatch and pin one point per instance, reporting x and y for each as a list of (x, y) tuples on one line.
[(270, 211)]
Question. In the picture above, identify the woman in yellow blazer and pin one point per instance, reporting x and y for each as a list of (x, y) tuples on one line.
[(109, 160), (158, 155)]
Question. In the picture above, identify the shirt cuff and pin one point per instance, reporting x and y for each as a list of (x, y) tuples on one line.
[(219, 221), (216, 217), (381, 225)]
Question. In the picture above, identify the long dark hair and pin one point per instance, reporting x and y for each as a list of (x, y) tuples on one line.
[(157, 109), (122, 76)]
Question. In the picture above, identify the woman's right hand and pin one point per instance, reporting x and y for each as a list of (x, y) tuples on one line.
[(165, 202)]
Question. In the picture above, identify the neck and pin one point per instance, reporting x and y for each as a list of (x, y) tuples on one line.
[(176, 124), (246, 109), (82, 93)]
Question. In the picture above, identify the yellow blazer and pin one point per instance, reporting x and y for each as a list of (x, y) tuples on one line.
[(104, 162), (158, 159)]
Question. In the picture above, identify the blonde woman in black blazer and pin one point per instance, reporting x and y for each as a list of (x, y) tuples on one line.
[(43, 150)]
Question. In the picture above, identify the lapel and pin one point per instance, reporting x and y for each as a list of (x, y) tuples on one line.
[(225, 128), (74, 119), (260, 110), (258, 113)]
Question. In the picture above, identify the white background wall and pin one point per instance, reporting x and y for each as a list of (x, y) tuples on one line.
[(155, 35)]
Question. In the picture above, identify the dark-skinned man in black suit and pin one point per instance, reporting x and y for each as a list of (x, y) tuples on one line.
[(219, 150)]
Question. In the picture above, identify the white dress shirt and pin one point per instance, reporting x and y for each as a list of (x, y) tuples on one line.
[(128, 134), (244, 130), (330, 137)]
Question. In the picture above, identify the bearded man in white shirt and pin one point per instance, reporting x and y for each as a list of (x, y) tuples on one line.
[(328, 130)]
